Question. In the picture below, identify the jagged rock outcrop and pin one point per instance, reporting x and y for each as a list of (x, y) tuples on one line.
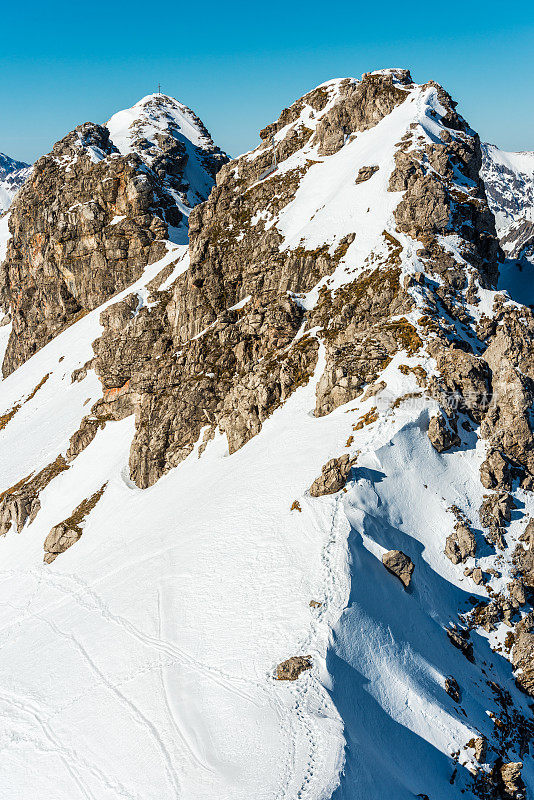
[(460, 639), (523, 559), (67, 533), (84, 226), (523, 654), (513, 787), (452, 688), (507, 424), (20, 503), (442, 432), (460, 544), (400, 565), (334, 476), (364, 173)]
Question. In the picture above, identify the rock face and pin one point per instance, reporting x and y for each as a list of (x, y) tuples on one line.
[(236, 308), (523, 654), (291, 669), (399, 564), (460, 544), (67, 533), (365, 173), (85, 225), (333, 478), (523, 557), (512, 782), (442, 433), (20, 503)]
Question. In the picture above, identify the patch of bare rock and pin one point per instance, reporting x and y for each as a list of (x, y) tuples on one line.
[(400, 565), (291, 669)]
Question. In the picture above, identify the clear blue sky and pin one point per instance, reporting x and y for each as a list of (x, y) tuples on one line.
[(238, 64)]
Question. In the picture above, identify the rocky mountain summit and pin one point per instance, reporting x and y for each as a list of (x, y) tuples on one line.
[(290, 465), (93, 215), (12, 175)]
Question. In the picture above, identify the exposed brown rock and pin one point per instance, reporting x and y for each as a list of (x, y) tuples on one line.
[(496, 509), (523, 557), (67, 533), (363, 105), (508, 424), (452, 688), (442, 433), (496, 472), (291, 669), (460, 544), (480, 746), (523, 654), (460, 640), (20, 503), (334, 476), (512, 782), (400, 565), (83, 227), (365, 173)]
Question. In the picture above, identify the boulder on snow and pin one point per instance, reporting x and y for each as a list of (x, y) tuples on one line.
[(442, 433), (399, 564), (291, 669), (480, 746), (334, 476), (460, 544), (365, 173), (60, 538), (460, 639), (452, 688)]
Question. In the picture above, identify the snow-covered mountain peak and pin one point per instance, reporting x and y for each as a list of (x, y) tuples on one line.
[(155, 114), (172, 140), (509, 182), (9, 165), (13, 173)]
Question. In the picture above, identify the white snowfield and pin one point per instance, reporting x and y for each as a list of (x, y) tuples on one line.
[(140, 664)]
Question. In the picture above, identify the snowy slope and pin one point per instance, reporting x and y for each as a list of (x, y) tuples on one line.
[(139, 665), (12, 176)]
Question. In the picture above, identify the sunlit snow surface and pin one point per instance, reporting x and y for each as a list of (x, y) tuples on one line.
[(139, 665)]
